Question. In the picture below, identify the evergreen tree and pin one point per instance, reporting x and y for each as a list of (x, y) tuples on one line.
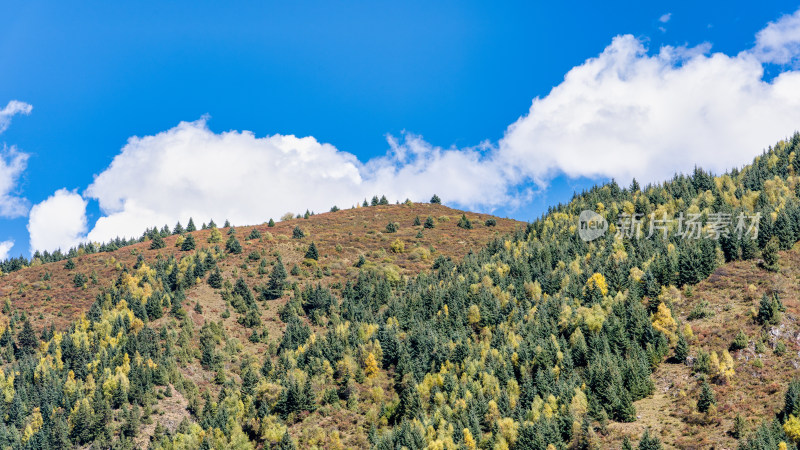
[(374, 201), (233, 246), (190, 226), (429, 223), (271, 223), (27, 342), (227, 224), (298, 233), (706, 398), (464, 222), (215, 279), (383, 200), (277, 279), (490, 222), (286, 442), (392, 227), (649, 442), (770, 255), (681, 349), (188, 243), (435, 199), (157, 242), (417, 221), (178, 228), (312, 252)]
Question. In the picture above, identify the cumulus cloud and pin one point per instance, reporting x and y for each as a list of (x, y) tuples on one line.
[(779, 42), (13, 108), (58, 222), (626, 113), (5, 249), (665, 17), (190, 171)]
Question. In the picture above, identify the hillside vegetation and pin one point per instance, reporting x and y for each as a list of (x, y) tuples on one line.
[(535, 340)]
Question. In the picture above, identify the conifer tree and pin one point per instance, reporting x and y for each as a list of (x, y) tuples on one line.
[(190, 226), (429, 223), (178, 228), (215, 279), (383, 200), (706, 398), (271, 223), (298, 233), (157, 242), (227, 224), (770, 255), (312, 252), (27, 341), (436, 200), (233, 246), (464, 222), (417, 221), (649, 442), (188, 243), (681, 349), (277, 280)]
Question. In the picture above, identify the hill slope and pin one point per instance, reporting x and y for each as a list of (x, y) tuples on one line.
[(48, 292), (536, 339)]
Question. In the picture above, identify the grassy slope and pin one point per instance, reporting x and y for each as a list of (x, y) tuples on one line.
[(358, 231)]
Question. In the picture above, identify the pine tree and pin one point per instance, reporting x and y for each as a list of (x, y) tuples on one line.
[(464, 222), (649, 442), (277, 279), (681, 349), (417, 222), (233, 245), (435, 199), (271, 223), (429, 223), (383, 200), (312, 252), (190, 226), (227, 224), (215, 279), (374, 201), (361, 261), (706, 398), (27, 342), (157, 242), (392, 227), (178, 228), (298, 233), (286, 442), (626, 444), (188, 243), (770, 255)]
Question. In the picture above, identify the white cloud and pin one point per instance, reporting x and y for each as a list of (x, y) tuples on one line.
[(13, 108), (779, 42), (189, 171), (629, 114), (5, 249), (58, 222), (665, 18), (12, 164), (625, 113)]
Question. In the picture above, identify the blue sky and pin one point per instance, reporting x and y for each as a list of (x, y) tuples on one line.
[(446, 80)]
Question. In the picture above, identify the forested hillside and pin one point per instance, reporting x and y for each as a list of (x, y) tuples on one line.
[(538, 339)]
